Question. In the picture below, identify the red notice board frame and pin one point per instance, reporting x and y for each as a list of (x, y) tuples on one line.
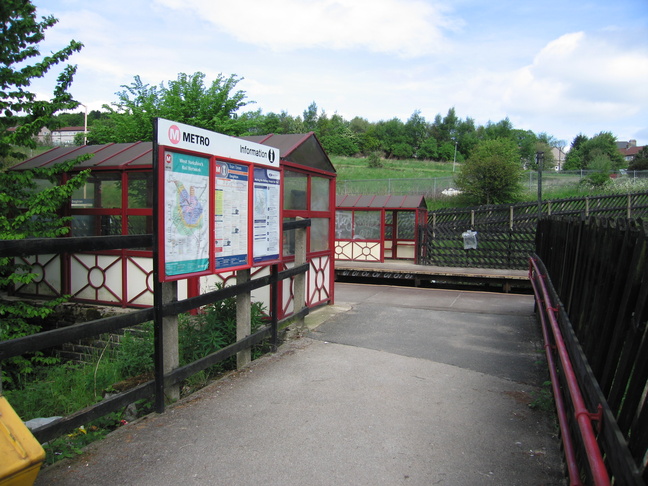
[(188, 179)]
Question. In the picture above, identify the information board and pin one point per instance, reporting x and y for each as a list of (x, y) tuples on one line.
[(231, 201), (186, 225), (267, 214), (219, 204)]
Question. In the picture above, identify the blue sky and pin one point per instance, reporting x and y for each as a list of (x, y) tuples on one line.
[(562, 67)]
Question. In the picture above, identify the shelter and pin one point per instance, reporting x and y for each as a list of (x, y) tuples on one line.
[(375, 228), (118, 200)]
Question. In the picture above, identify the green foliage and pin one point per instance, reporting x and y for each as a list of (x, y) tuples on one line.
[(135, 353), (543, 398), (640, 161), (26, 209), (492, 173), (64, 389), (29, 210), (185, 100), (374, 160), (213, 329), (584, 150), (20, 34)]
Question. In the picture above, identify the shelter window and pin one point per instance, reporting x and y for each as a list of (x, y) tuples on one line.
[(357, 225), (101, 190), (319, 234), (140, 190), (406, 225), (295, 189), (320, 196)]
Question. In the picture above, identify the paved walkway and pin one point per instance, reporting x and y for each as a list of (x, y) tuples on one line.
[(392, 386)]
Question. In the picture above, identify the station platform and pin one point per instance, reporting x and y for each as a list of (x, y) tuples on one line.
[(406, 272)]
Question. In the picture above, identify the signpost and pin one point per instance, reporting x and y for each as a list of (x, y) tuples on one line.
[(219, 202)]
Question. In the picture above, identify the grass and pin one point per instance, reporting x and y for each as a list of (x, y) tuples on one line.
[(556, 185), (354, 168)]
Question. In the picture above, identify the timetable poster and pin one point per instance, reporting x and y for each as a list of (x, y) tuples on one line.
[(231, 215), (267, 214), (186, 202)]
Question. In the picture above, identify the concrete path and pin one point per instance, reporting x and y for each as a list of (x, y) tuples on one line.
[(393, 386)]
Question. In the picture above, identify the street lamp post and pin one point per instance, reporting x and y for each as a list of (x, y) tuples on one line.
[(85, 125), (454, 161), (540, 162)]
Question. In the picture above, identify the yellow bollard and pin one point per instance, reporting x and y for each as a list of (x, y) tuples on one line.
[(21, 456)]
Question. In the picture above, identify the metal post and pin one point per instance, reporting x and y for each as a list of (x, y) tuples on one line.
[(454, 161), (540, 163)]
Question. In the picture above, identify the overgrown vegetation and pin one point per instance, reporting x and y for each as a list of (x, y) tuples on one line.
[(67, 387)]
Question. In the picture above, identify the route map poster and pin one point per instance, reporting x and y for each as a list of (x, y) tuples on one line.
[(267, 222), (186, 199), (231, 197)]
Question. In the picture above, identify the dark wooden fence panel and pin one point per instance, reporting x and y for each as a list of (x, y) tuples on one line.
[(598, 268)]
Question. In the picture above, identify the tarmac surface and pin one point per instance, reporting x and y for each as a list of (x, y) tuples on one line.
[(390, 386)]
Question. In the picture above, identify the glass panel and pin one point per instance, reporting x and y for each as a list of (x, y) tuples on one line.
[(319, 234), (101, 190), (343, 222), (140, 190), (99, 225), (406, 223), (389, 225), (140, 225), (295, 185), (366, 225), (289, 240), (319, 194)]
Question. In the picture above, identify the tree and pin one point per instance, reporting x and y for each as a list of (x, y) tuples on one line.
[(20, 34), (585, 150), (492, 173), (186, 100), (640, 161), (28, 210)]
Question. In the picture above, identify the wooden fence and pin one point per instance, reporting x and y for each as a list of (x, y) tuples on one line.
[(597, 273), (164, 314), (506, 234)]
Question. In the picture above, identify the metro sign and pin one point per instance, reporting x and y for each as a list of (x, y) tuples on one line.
[(174, 134), (187, 137)]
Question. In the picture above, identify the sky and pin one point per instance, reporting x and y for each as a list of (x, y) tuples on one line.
[(561, 67)]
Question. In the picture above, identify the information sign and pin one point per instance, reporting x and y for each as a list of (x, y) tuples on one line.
[(231, 200), (267, 206), (219, 205), (186, 227)]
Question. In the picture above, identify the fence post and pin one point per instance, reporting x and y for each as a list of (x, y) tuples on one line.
[(299, 282), (243, 318), (586, 206), (274, 306), (511, 217), (629, 206), (170, 351)]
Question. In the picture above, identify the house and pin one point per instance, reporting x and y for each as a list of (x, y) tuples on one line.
[(559, 155), (629, 149), (65, 135)]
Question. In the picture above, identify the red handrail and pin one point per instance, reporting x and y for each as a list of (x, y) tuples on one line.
[(583, 417)]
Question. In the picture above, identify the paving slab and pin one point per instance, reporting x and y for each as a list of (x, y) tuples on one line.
[(332, 408)]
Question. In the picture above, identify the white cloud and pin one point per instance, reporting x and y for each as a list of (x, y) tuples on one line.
[(577, 76), (408, 28)]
